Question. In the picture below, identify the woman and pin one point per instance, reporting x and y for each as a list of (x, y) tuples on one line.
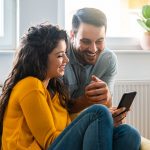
[(34, 104)]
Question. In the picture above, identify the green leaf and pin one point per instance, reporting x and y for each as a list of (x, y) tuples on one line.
[(146, 11), (147, 22), (143, 24)]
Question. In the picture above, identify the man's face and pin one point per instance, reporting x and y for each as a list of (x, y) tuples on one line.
[(89, 42)]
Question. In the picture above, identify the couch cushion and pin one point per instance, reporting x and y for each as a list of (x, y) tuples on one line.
[(145, 144)]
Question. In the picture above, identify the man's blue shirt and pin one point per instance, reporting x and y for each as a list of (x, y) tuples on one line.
[(77, 76)]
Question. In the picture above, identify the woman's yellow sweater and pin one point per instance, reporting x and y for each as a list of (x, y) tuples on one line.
[(32, 119)]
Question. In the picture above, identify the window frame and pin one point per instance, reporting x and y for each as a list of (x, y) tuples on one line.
[(2, 15), (8, 41)]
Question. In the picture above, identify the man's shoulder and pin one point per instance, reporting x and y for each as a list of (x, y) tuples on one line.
[(108, 51), (106, 65), (107, 55)]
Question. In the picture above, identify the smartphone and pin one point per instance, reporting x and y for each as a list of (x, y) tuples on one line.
[(127, 100)]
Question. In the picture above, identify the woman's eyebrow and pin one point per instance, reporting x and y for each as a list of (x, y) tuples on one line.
[(60, 52)]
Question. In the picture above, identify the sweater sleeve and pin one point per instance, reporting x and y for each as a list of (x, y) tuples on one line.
[(39, 117)]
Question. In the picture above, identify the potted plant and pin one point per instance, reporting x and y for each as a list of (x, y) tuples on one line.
[(144, 21)]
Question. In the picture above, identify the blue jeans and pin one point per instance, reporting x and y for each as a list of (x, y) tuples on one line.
[(93, 130)]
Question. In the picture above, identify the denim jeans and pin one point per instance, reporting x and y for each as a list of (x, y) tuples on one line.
[(93, 130)]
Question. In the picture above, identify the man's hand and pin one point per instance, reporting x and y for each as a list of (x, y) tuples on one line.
[(97, 92), (118, 115)]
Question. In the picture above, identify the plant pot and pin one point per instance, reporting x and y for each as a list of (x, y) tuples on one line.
[(145, 41)]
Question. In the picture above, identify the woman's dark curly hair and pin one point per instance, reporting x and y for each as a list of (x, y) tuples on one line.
[(32, 60)]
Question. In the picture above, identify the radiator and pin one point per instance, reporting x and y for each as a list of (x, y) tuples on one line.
[(139, 116)]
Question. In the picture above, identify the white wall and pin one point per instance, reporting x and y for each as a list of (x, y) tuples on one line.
[(133, 65), (32, 12)]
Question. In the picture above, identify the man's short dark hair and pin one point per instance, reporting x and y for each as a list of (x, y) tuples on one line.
[(91, 16)]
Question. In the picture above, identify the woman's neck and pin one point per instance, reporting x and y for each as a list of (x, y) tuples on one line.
[(51, 92), (45, 82)]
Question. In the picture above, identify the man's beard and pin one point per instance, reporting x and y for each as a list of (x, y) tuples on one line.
[(86, 57)]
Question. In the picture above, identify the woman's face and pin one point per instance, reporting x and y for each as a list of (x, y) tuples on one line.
[(57, 60)]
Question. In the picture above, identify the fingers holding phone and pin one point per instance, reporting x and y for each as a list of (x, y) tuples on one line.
[(127, 100), (118, 115), (120, 112)]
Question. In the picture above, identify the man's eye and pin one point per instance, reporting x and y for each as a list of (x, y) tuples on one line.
[(85, 42), (100, 41)]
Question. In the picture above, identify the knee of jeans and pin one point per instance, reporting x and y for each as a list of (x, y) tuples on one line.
[(100, 109), (132, 132)]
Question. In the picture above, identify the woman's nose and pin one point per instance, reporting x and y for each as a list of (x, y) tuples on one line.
[(66, 59)]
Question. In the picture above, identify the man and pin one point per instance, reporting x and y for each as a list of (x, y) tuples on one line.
[(91, 71), (92, 67)]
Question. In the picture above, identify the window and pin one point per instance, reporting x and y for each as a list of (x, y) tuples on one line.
[(123, 31), (1, 18), (7, 24)]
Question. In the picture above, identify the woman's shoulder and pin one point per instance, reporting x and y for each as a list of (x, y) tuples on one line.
[(29, 83), (30, 79)]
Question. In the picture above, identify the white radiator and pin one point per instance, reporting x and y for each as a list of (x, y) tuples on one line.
[(139, 116)]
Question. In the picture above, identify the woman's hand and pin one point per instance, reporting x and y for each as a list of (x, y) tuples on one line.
[(118, 115)]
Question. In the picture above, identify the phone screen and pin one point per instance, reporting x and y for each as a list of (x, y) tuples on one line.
[(127, 100)]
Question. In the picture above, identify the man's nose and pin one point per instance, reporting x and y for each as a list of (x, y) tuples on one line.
[(93, 48)]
